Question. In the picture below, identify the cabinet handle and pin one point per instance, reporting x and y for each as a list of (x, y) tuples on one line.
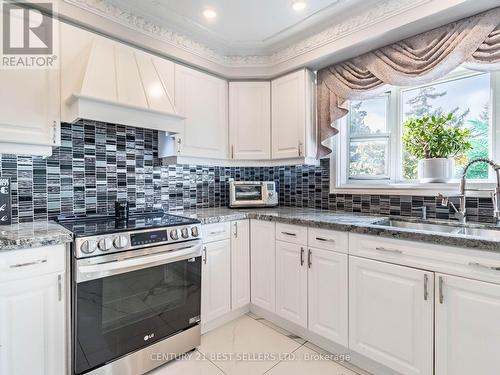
[(426, 284), (54, 132), (385, 250), (179, 141), (19, 265), (289, 234), (205, 254), (299, 148), (232, 151), (59, 287), (309, 260), (325, 239), (235, 229), (217, 232), (301, 256), (491, 268), (441, 294)]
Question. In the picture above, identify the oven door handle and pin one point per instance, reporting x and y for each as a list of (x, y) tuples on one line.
[(116, 267)]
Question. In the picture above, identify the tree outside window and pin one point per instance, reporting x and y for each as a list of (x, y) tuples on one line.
[(373, 124)]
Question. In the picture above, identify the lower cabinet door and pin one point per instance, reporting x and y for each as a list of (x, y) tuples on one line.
[(291, 282), (391, 315), (33, 327), (240, 264), (328, 295), (467, 326), (262, 264), (216, 280)]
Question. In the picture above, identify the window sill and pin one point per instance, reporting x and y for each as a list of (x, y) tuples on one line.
[(428, 189)]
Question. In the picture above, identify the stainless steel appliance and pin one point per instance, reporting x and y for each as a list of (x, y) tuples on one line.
[(136, 292), (252, 194)]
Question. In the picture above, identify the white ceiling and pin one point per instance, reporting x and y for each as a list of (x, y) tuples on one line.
[(241, 27)]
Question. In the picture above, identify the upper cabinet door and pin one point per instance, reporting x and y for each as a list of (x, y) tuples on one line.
[(29, 104), (293, 120), (250, 120), (391, 315), (202, 99), (467, 326)]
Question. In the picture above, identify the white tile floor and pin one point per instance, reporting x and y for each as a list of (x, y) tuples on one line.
[(253, 346)]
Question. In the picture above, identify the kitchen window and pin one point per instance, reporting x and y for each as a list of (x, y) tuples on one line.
[(369, 155)]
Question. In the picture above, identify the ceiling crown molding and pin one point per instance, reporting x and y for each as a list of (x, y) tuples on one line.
[(380, 12)]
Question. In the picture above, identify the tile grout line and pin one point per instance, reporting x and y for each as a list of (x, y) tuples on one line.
[(260, 319), (337, 362), (207, 359), (281, 360)]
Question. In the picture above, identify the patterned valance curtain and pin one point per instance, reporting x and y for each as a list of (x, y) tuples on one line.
[(473, 42)]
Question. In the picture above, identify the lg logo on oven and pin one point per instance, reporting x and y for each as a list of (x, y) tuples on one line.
[(148, 337)]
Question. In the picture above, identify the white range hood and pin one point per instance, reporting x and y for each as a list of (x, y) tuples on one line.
[(115, 83)]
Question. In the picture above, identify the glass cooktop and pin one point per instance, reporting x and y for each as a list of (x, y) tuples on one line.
[(82, 226)]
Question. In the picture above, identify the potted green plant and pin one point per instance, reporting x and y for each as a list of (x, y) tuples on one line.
[(435, 142)]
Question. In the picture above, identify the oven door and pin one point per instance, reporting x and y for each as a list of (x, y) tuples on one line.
[(122, 305)]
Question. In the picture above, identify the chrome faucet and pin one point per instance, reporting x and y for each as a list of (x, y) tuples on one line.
[(460, 213)]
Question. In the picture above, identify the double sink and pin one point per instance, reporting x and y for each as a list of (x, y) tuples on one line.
[(473, 230)]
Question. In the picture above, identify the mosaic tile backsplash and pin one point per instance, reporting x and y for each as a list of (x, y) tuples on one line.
[(98, 163)]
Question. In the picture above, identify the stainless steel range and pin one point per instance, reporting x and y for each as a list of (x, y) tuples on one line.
[(136, 292)]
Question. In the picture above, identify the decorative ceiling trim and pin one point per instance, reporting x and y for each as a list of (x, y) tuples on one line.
[(380, 12)]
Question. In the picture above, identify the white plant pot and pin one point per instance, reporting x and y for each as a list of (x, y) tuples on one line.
[(435, 170)]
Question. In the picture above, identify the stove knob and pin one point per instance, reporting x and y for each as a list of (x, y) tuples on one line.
[(174, 235), (120, 242), (105, 244), (194, 232), (88, 247), (184, 233)]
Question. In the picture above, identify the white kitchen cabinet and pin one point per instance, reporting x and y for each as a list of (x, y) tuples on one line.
[(240, 264), (328, 295), (33, 312), (29, 104), (250, 120), (293, 116), (202, 99), (262, 261), (467, 326), (216, 280), (391, 315), (291, 282)]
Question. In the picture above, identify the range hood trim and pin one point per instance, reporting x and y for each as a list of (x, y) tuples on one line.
[(97, 109), (76, 97)]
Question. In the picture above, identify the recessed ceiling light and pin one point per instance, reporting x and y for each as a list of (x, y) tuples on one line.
[(209, 14), (298, 5)]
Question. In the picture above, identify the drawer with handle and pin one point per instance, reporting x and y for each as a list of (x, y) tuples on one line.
[(328, 239), (291, 233), (216, 232), (25, 263), (470, 263)]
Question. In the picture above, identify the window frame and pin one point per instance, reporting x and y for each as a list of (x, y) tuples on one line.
[(339, 162), (386, 135)]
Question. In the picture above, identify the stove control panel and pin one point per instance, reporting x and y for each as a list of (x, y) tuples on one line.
[(148, 238), (116, 242)]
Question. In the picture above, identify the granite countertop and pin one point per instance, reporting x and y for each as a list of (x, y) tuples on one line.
[(348, 222), (45, 233), (34, 234)]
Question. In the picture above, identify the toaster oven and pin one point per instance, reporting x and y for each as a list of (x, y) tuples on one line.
[(252, 194)]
